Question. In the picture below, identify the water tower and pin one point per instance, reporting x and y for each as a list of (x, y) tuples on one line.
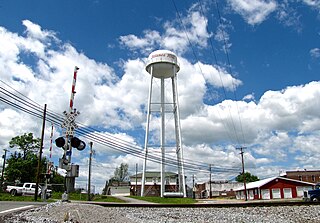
[(163, 65)]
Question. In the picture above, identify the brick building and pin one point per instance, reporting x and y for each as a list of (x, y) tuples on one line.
[(153, 183), (221, 188), (311, 176)]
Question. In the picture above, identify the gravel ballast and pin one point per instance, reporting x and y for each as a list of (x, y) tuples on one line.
[(87, 213)]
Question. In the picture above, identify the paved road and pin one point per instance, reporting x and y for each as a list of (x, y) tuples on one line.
[(7, 207)]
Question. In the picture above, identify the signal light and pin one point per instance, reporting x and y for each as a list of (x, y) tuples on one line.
[(77, 143), (60, 142), (82, 146)]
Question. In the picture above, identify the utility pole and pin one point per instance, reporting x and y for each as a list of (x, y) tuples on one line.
[(210, 181), (40, 152), (243, 173), (4, 164), (136, 180), (193, 192), (89, 178)]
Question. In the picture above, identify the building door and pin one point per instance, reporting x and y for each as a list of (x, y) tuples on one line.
[(276, 193), (287, 192), (265, 194)]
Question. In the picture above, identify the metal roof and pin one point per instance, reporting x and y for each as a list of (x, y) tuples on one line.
[(260, 183)]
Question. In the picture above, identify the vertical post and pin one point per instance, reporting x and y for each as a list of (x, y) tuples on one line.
[(136, 191), (210, 182), (40, 153), (243, 174), (179, 150), (193, 192), (4, 164), (89, 178), (162, 140), (146, 136)]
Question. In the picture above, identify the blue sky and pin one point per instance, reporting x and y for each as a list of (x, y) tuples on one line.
[(274, 62)]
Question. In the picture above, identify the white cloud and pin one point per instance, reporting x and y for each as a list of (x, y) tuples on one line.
[(253, 11), (289, 16), (315, 52), (34, 31), (218, 77), (249, 97), (145, 44), (313, 3), (192, 30)]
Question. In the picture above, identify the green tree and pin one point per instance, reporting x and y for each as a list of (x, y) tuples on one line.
[(22, 169), (57, 182), (23, 166), (57, 179), (249, 177), (26, 143), (121, 172)]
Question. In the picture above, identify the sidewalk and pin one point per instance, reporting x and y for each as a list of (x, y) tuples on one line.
[(132, 200)]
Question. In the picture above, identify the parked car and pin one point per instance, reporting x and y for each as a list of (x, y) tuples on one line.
[(26, 189)]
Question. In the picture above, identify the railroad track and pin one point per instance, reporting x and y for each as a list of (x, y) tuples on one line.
[(211, 204)]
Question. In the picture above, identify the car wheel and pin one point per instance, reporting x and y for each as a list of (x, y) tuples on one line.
[(315, 199), (13, 192)]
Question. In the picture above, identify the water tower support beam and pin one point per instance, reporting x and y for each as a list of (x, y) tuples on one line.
[(162, 142), (143, 178), (179, 151)]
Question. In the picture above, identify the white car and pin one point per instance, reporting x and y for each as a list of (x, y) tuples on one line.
[(26, 189)]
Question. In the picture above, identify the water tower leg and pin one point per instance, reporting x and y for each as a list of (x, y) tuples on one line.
[(143, 179), (179, 150), (162, 140)]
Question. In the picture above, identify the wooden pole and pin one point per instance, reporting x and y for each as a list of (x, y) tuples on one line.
[(40, 153)]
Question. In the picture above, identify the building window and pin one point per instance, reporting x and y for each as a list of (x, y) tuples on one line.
[(313, 177), (300, 177)]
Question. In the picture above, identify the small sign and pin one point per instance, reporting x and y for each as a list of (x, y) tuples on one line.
[(68, 153)]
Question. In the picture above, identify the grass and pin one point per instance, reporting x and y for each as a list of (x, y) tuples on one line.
[(165, 200), (58, 195), (7, 197)]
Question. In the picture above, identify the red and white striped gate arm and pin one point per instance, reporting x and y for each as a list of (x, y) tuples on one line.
[(73, 88), (51, 136)]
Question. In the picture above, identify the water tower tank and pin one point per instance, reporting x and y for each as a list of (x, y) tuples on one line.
[(164, 64)]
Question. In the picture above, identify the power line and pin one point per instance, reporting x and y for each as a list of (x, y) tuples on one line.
[(103, 139), (230, 72), (226, 125)]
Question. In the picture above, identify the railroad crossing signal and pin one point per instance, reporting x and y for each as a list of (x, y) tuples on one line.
[(69, 122)]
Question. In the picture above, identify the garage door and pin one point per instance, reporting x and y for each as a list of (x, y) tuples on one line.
[(250, 195), (265, 194), (301, 189), (276, 193), (287, 192)]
